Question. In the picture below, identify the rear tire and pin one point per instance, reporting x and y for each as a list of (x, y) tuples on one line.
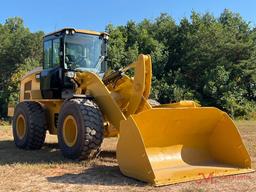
[(80, 129), (29, 125)]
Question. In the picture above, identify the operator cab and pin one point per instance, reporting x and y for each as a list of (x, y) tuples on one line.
[(70, 50)]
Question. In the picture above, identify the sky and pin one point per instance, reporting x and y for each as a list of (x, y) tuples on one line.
[(50, 15)]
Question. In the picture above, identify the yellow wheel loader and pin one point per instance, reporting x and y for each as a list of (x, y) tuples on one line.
[(75, 97)]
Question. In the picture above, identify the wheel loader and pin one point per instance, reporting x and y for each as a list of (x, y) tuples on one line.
[(75, 97)]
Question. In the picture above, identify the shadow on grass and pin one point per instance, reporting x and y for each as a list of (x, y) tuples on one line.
[(107, 154), (50, 153), (10, 154), (97, 175)]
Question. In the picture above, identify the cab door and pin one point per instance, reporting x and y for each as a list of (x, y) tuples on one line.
[(51, 78)]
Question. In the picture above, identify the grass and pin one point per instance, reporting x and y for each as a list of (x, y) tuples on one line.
[(47, 170)]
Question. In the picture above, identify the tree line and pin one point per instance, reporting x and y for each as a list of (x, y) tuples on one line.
[(20, 51), (209, 59)]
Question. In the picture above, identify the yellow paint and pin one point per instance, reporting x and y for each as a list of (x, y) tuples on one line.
[(21, 127), (70, 131), (141, 84), (122, 98), (95, 87), (52, 107), (34, 92), (171, 145), (10, 111)]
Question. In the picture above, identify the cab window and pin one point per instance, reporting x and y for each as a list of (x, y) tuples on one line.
[(56, 53), (51, 53), (47, 54)]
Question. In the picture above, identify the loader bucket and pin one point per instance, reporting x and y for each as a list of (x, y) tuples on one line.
[(171, 145)]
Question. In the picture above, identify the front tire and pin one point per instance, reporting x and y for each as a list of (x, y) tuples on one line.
[(29, 125), (80, 129)]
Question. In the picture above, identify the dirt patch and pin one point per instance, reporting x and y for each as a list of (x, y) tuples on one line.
[(47, 170)]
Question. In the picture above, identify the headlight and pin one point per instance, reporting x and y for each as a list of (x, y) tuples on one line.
[(106, 37), (70, 74)]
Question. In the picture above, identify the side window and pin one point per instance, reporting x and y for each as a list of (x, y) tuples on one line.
[(47, 54), (56, 52)]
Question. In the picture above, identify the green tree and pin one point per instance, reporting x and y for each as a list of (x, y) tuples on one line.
[(208, 59), (18, 44), (204, 58)]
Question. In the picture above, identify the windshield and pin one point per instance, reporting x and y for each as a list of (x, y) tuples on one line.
[(83, 52)]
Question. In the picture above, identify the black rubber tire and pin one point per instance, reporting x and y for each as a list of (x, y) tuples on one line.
[(35, 121), (89, 122)]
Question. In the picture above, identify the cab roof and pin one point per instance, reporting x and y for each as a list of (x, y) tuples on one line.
[(76, 30)]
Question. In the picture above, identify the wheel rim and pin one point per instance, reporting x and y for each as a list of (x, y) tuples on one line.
[(21, 126), (70, 131)]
